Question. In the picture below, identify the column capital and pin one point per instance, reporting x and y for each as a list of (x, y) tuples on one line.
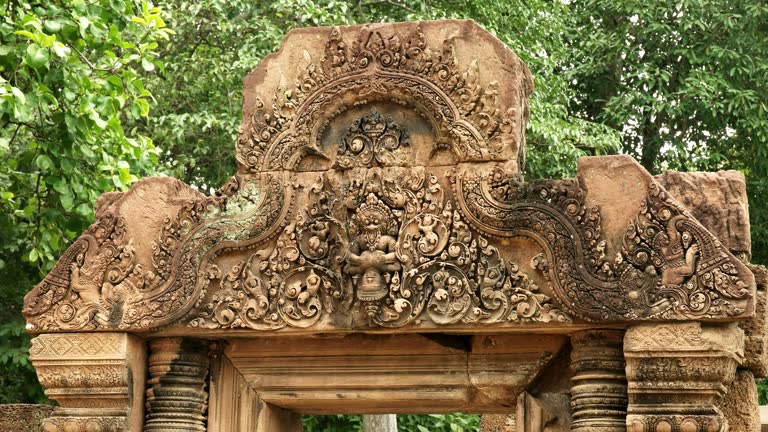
[(678, 372), (97, 379)]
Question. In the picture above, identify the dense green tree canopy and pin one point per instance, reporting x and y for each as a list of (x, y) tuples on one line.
[(71, 84), (95, 94)]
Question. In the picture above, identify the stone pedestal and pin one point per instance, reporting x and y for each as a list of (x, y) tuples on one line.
[(97, 379), (677, 374), (599, 391), (176, 399)]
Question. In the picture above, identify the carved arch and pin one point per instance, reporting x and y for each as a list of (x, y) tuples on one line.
[(465, 113)]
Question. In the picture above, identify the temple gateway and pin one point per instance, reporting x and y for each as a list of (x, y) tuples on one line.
[(378, 250)]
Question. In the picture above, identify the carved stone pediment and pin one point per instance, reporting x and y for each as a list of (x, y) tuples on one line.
[(379, 187)]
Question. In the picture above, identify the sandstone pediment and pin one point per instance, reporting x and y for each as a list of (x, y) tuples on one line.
[(379, 192), (379, 186)]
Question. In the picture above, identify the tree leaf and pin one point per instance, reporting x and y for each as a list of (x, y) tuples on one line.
[(36, 57)]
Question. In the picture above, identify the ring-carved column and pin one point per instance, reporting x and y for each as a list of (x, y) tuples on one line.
[(177, 399), (677, 373), (599, 390), (97, 379)]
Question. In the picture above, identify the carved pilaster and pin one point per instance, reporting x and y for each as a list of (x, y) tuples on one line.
[(177, 399), (599, 391), (677, 373), (97, 379)]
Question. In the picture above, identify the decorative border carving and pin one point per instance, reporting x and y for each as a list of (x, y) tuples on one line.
[(678, 372), (96, 378)]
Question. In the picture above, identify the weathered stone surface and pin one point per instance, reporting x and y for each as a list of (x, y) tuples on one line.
[(104, 280), (379, 188), (497, 423), (379, 204), (379, 423), (718, 201), (552, 393), (23, 417), (740, 404), (412, 373), (232, 400), (97, 379), (756, 329), (452, 73)]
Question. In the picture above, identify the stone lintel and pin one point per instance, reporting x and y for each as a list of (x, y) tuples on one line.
[(413, 374)]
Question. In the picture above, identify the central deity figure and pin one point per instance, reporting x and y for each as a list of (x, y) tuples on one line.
[(372, 257)]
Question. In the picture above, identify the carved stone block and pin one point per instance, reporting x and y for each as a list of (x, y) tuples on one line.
[(412, 373), (379, 187), (740, 405), (718, 200), (97, 379), (756, 329), (233, 403), (677, 374)]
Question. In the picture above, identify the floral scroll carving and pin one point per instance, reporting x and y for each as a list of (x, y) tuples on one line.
[(98, 284), (669, 267), (407, 257)]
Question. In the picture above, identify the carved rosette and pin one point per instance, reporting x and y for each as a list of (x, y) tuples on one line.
[(677, 374), (95, 378)]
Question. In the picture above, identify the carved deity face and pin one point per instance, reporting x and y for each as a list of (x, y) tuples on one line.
[(372, 221)]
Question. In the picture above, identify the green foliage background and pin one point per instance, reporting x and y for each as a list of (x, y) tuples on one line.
[(96, 94)]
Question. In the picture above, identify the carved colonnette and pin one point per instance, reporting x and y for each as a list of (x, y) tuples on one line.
[(599, 391), (677, 374), (177, 399), (97, 379)]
